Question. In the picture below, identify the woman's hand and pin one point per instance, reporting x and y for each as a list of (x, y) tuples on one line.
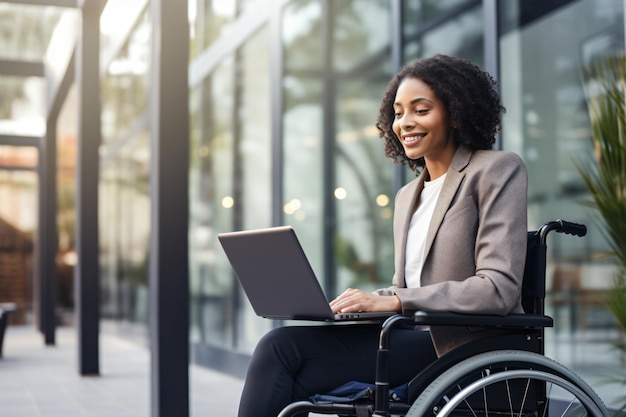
[(353, 300)]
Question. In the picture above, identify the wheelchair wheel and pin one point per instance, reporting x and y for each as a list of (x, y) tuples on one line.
[(508, 383)]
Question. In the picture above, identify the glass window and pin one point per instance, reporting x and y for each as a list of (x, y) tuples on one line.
[(110, 296), (301, 31), (209, 20), (360, 29), (125, 88), (66, 202), (255, 154), (26, 31), (212, 205), (129, 225), (18, 157), (452, 31), (363, 186), (254, 119), (303, 123), (417, 14), (18, 205), (303, 164), (124, 186), (125, 231), (363, 191), (18, 199), (543, 53), (22, 106)]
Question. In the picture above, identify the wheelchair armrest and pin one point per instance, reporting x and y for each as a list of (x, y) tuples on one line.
[(510, 321)]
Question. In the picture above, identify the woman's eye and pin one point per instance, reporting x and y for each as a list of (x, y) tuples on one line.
[(396, 115), (421, 111)]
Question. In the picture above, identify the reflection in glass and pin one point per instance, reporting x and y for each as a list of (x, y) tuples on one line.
[(26, 31), (255, 155), (125, 89), (359, 29), (301, 33), (125, 231), (18, 199), (255, 132), (66, 140), (124, 183), (418, 14), (211, 205), (210, 20), (543, 53), (22, 106), (302, 120), (18, 157), (454, 34), (363, 242)]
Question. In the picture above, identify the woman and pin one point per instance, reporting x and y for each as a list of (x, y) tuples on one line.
[(459, 236)]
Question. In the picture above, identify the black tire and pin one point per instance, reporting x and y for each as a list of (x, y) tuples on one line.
[(508, 383)]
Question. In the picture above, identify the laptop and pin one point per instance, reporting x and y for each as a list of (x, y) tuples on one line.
[(278, 278)]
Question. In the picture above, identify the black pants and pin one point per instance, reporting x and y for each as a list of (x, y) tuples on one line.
[(292, 363)]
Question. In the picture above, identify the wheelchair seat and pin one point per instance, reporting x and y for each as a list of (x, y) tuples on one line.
[(506, 374)]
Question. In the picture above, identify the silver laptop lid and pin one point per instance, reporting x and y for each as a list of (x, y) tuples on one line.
[(276, 274)]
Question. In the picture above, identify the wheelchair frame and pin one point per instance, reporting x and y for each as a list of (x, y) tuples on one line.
[(511, 357)]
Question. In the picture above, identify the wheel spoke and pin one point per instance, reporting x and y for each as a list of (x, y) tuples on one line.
[(509, 397), (547, 405), (524, 397), (570, 405), (469, 407), (486, 407), (508, 384)]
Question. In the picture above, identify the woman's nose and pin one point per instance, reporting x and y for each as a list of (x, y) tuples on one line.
[(406, 121)]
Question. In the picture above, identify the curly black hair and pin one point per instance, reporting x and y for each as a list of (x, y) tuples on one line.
[(469, 95)]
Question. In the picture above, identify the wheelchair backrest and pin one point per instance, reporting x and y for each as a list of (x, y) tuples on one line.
[(534, 281)]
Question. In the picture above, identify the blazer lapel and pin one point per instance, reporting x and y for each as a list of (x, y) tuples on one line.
[(453, 180)]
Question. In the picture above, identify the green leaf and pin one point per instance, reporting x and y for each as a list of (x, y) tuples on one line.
[(604, 172)]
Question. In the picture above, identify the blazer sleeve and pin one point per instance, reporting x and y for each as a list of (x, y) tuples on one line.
[(496, 230)]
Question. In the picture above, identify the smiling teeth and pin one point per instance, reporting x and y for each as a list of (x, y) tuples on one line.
[(409, 139)]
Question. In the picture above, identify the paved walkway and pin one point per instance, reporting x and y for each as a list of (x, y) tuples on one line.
[(39, 381)]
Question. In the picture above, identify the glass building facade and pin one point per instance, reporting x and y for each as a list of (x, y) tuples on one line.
[(283, 100)]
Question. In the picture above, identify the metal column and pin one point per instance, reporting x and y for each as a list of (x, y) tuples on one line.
[(59, 73), (169, 265), (397, 61), (492, 46), (47, 235), (87, 271)]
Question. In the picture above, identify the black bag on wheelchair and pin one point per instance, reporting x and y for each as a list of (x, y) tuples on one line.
[(354, 391)]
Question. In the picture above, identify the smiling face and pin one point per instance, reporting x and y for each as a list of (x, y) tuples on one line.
[(421, 125)]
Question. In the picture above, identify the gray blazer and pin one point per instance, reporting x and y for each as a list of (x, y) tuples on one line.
[(475, 246)]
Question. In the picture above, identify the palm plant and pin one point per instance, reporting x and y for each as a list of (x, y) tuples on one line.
[(604, 173)]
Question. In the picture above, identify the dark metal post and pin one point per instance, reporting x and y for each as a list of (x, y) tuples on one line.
[(169, 265), (59, 73), (276, 96), (397, 60), (47, 236), (492, 45), (329, 93), (491, 38), (87, 271)]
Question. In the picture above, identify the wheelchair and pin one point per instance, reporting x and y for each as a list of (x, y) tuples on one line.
[(504, 375)]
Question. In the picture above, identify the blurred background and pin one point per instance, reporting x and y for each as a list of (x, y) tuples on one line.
[(283, 98)]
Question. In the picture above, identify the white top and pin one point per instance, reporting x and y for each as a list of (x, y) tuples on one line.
[(418, 228)]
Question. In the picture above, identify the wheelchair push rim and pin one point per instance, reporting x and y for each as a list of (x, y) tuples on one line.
[(530, 376)]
